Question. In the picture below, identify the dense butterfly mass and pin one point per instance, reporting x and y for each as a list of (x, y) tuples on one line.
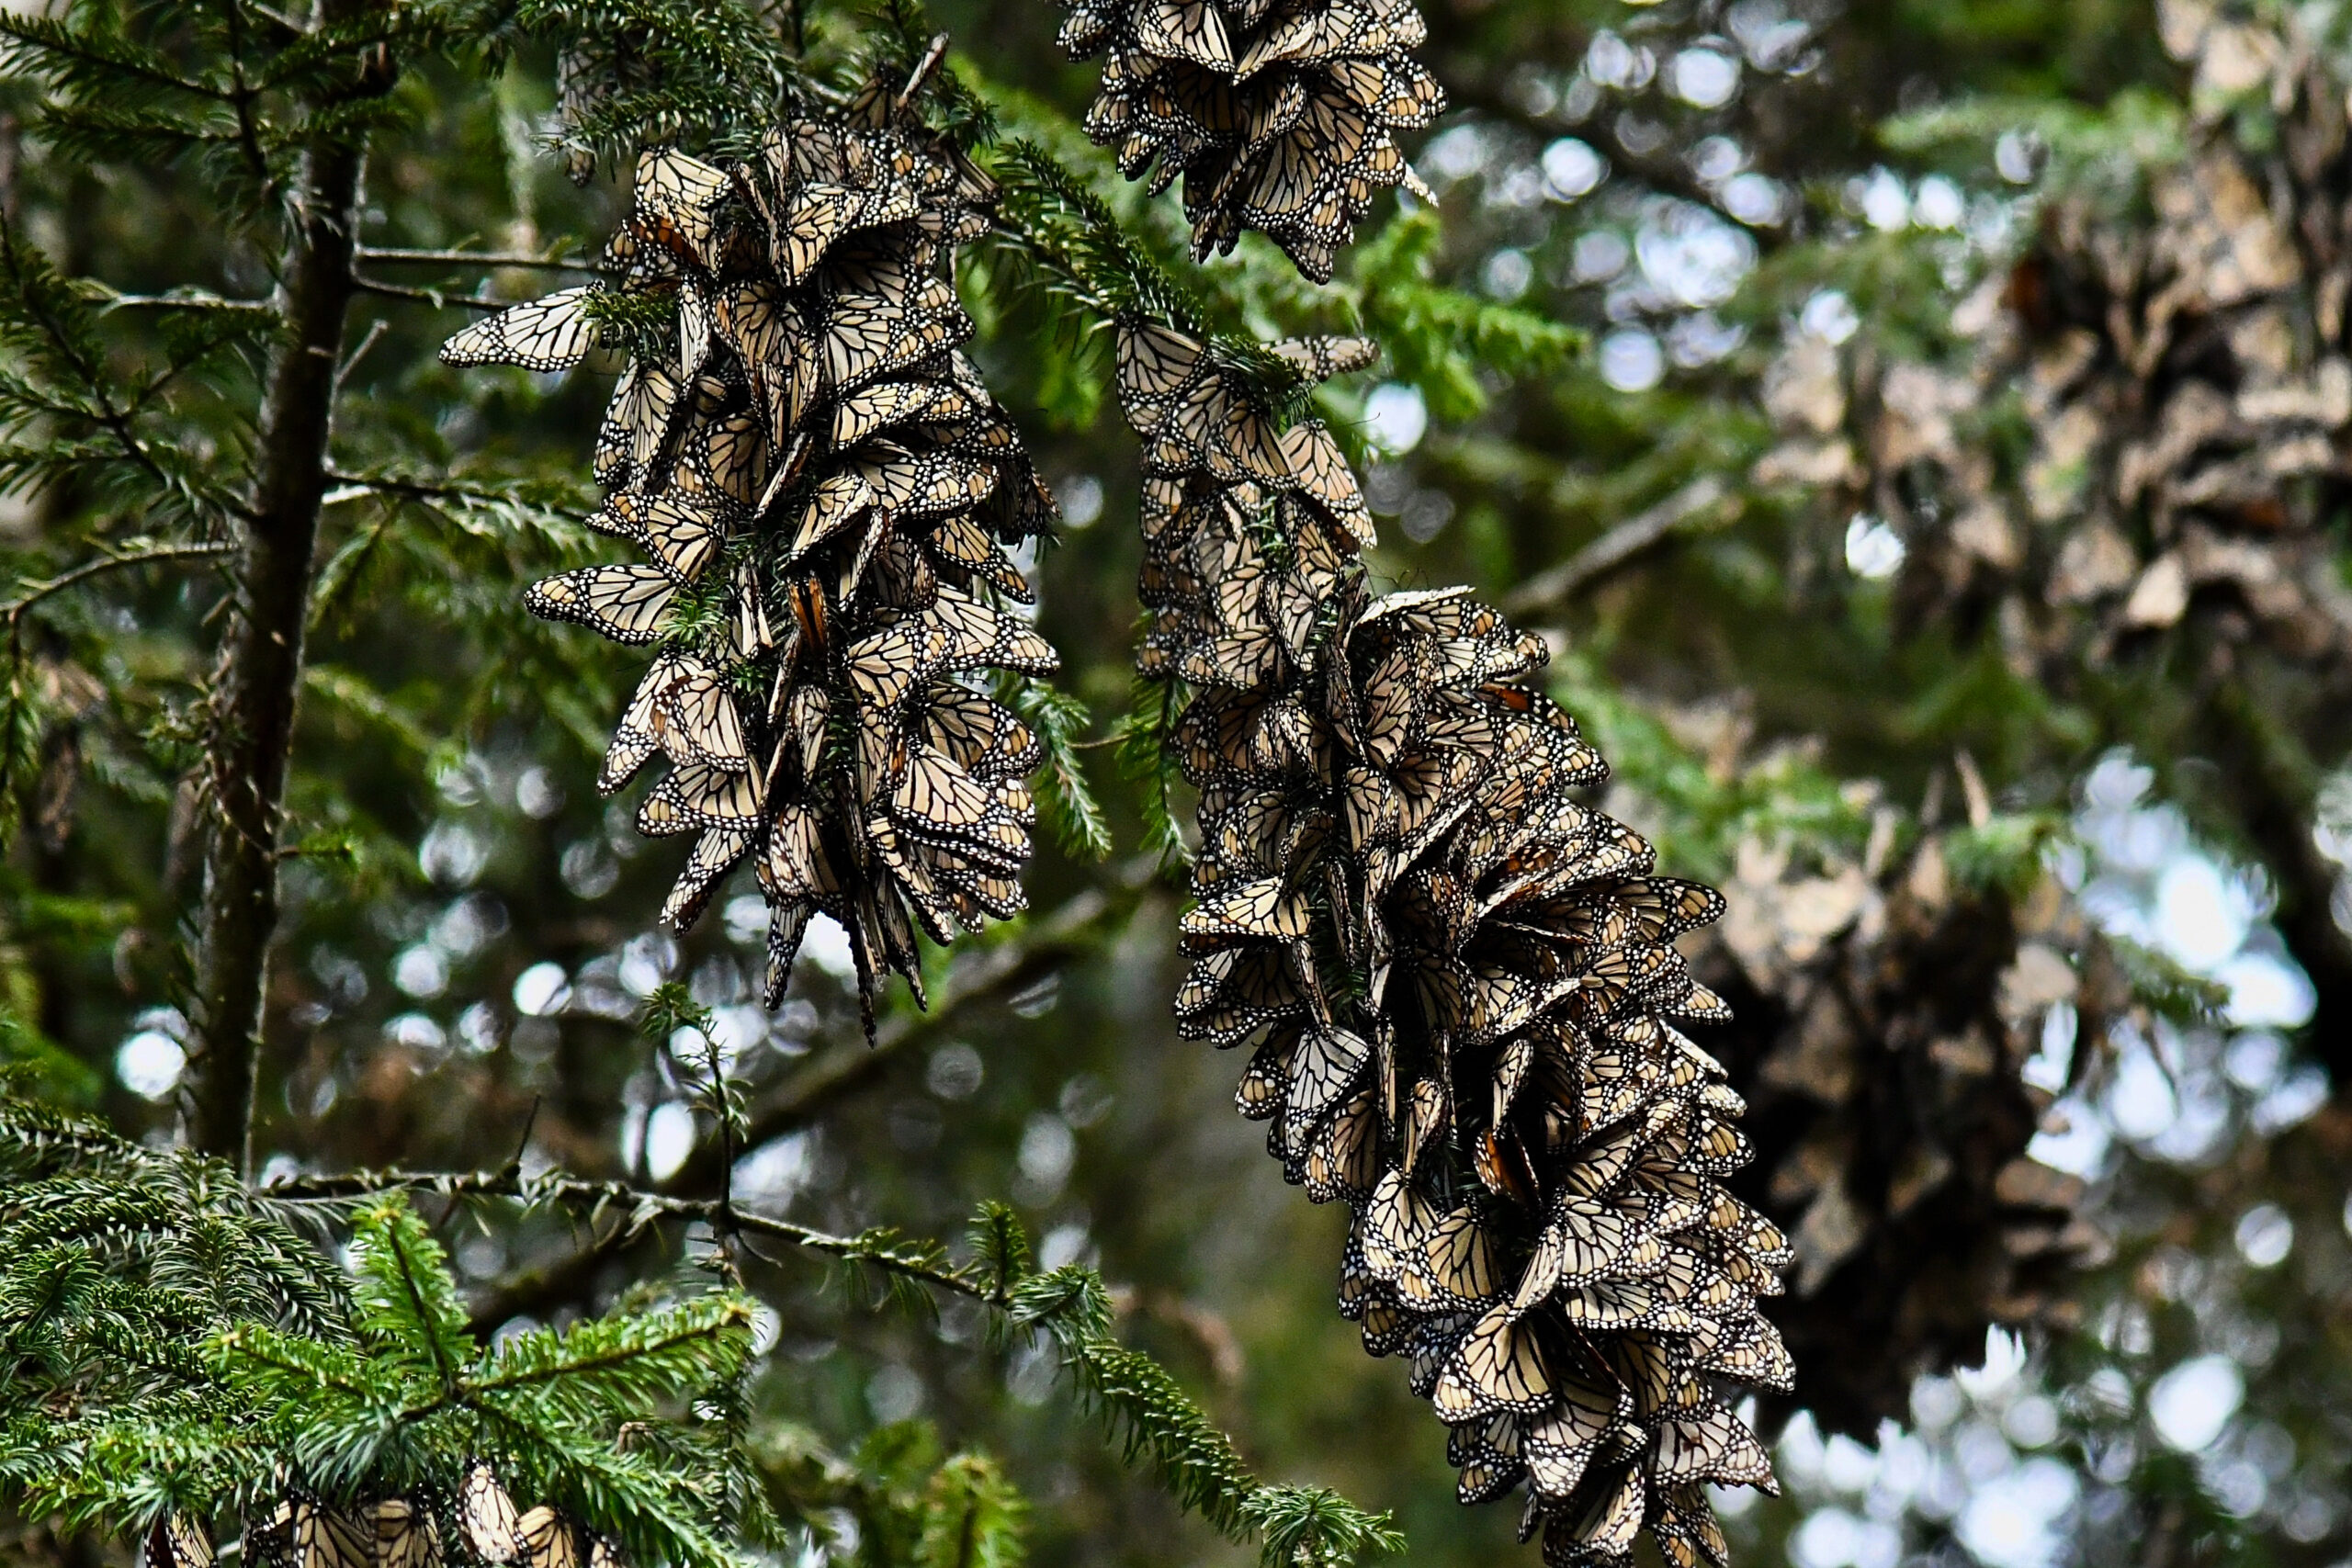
[(395, 1532), (2177, 368), (1278, 115), (824, 494), (1461, 983), (1887, 1010)]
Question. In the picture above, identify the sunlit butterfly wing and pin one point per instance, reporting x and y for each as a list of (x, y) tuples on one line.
[(330, 1538), (547, 1541), (624, 603), (676, 199), (179, 1541), (487, 1516), (1499, 1366), (405, 1535), (550, 333)]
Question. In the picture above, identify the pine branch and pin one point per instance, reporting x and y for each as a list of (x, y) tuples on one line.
[(1049, 218), (879, 1249), (436, 298), (1157, 1423), (33, 592), (997, 969), (395, 255)]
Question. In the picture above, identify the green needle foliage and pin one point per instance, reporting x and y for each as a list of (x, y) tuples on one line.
[(179, 1345)]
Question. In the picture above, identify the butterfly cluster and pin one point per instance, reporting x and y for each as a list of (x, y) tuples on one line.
[(395, 1532), (1278, 115), (825, 495), (2175, 371), (1462, 985), (1887, 1011)]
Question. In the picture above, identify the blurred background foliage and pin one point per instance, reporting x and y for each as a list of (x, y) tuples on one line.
[(1699, 367)]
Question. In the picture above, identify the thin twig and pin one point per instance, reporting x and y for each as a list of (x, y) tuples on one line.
[(425, 490), (433, 297), (842, 1070), (34, 592), (400, 255), (185, 299), (351, 361), (643, 1206), (1549, 591)]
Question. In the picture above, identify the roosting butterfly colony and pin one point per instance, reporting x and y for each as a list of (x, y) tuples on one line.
[(723, 391), (1458, 980)]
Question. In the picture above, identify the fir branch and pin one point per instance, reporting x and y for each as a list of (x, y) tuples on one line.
[(54, 322), (1147, 755), (1157, 1423), (1049, 218), (880, 1250), (436, 298), (1064, 798), (133, 554), (1021, 955), (80, 53), (391, 254)]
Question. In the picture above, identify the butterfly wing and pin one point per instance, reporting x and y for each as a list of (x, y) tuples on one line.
[(551, 333)]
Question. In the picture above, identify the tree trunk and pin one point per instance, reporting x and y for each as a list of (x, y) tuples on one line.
[(260, 670)]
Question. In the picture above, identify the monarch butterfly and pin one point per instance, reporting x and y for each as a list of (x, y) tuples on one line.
[(1461, 1264), (1561, 1442), (1184, 30), (175, 1541), (323, 1536), (405, 1535), (1753, 1354), (693, 715), (625, 603), (637, 425), (935, 794), (980, 638), (956, 542), (730, 456), (696, 796), (683, 534), (919, 487), (1497, 1367), (1601, 1523), (1342, 1154), (676, 201), (554, 333), (881, 404), (549, 1541), (487, 1515), (1313, 460), (1715, 1447), (1688, 1534)]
